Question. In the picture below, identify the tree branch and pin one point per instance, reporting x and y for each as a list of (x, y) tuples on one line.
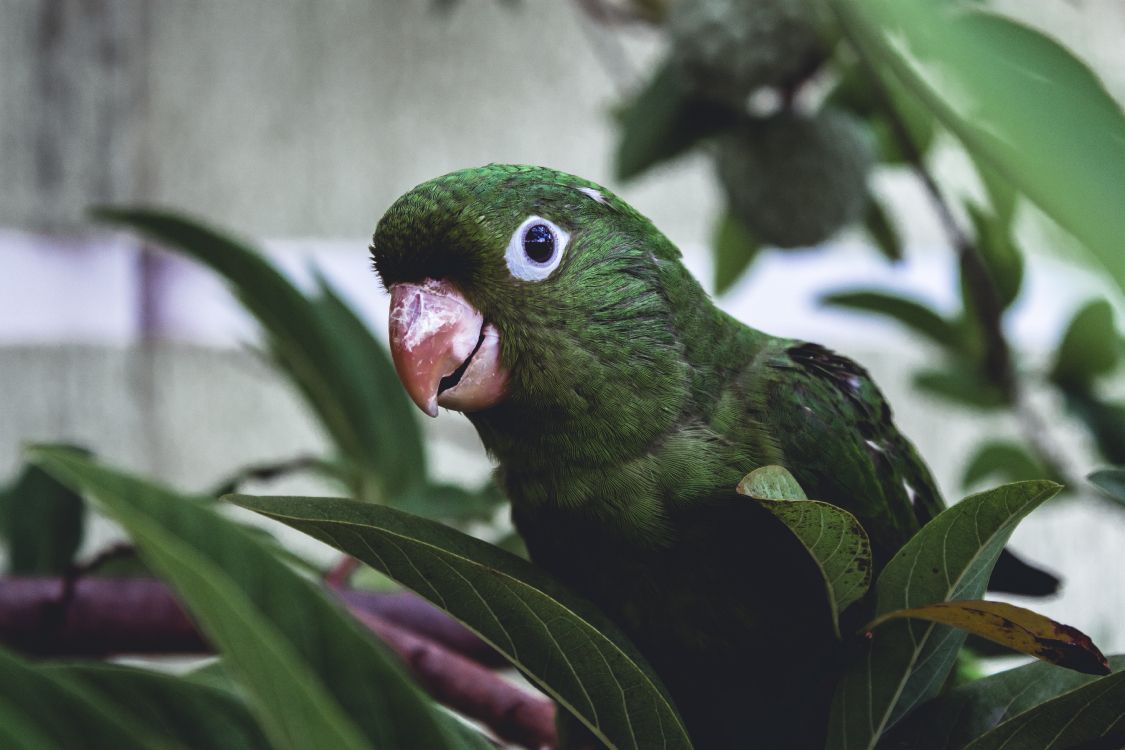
[(99, 617)]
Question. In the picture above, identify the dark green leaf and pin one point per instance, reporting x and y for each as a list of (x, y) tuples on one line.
[(41, 709), (1003, 260), (313, 675), (1002, 460), (1025, 105), (906, 662), (856, 92), (910, 313), (1089, 347), (664, 121), (558, 639), (1111, 482), (452, 503), (1106, 421), (961, 386), (1013, 627), (344, 374), (882, 230), (43, 522), (734, 250), (189, 713), (1002, 195), (952, 721), (833, 537)]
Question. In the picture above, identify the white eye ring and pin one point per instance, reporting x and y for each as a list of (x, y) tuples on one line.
[(524, 266)]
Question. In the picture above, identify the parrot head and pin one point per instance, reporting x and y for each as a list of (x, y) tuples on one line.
[(536, 302)]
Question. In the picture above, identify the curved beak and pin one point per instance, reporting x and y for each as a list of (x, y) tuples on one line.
[(444, 351)]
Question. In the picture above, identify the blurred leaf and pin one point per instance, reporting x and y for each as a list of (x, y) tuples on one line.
[(953, 720), (1016, 628), (1111, 482), (664, 121), (41, 709), (833, 537), (882, 230), (1003, 260), (734, 250), (855, 92), (1106, 422), (1024, 105), (910, 313), (170, 708), (1093, 713), (907, 661), (1003, 460), (559, 640), (1001, 194), (961, 386), (344, 374), (313, 675), (452, 503), (1089, 347), (43, 522)]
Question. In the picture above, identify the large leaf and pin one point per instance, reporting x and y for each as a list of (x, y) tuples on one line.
[(1014, 627), (552, 635), (910, 313), (1003, 460), (955, 719), (664, 121), (1089, 347), (734, 250), (833, 537), (195, 715), (1022, 104), (42, 521), (344, 374), (314, 676), (42, 709), (906, 662)]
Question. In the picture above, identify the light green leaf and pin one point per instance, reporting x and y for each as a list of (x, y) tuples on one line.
[(313, 675), (1023, 104), (734, 249), (559, 640), (1003, 460), (906, 662), (344, 374), (42, 521), (908, 312), (833, 537), (191, 714), (953, 720), (1088, 348)]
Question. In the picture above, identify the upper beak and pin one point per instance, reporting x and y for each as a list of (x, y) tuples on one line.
[(444, 351)]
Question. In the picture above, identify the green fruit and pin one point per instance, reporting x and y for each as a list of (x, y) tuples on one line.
[(726, 49), (794, 180)]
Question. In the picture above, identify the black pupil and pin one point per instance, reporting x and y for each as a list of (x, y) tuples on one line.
[(539, 243)]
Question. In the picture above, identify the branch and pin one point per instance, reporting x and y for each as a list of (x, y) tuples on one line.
[(99, 617)]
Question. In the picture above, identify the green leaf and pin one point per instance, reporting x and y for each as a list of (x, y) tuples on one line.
[(43, 522), (1004, 460), (313, 675), (1003, 260), (962, 386), (856, 92), (833, 537), (189, 713), (953, 720), (734, 249), (906, 662), (664, 121), (344, 374), (882, 230), (1024, 105), (1106, 422), (1002, 196), (1111, 482), (559, 640), (1093, 713), (910, 313), (1089, 347), (41, 709), (452, 503), (1014, 627)]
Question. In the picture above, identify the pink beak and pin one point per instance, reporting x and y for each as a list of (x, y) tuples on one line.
[(444, 352)]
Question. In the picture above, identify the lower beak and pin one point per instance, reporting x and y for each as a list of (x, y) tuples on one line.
[(444, 351)]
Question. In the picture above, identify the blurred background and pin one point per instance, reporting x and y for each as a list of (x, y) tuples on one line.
[(295, 125)]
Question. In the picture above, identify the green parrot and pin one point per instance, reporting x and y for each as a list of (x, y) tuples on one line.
[(622, 408)]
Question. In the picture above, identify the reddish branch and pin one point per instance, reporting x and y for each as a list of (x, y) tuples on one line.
[(97, 617)]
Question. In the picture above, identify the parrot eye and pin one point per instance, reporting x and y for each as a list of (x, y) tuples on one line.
[(535, 249)]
